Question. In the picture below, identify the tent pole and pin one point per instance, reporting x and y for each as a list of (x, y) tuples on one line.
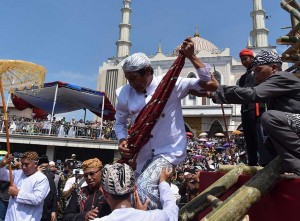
[(53, 107), (102, 113), (84, 114), (8, 97)]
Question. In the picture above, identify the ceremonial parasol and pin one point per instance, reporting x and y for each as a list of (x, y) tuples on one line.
[(219, 135), (16, 74)]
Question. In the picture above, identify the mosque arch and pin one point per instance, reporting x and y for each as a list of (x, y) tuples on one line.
[(188, 128), (215, 127)]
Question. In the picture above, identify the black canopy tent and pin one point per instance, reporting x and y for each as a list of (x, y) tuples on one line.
[(58, 97)]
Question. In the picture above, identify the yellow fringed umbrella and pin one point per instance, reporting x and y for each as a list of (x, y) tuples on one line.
[(16, 74)]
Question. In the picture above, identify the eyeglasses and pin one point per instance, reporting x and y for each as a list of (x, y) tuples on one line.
[(91, 174)]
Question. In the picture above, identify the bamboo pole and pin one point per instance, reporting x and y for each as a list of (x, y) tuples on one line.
[(237, 205), (215, 202), (249, 170), (6, 130), (200, 202)]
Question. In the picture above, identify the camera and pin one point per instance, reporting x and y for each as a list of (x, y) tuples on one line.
[(77, 171)]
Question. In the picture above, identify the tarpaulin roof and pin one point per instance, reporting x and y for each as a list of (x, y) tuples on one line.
[(69, 98)]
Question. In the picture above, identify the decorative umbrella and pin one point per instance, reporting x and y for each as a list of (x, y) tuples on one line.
[(16, 74), (236, 132), (189, 134), (209, 144), (220, 148), (203, 139), (198, 157), (203, 134), (219, 135), (227, 144)]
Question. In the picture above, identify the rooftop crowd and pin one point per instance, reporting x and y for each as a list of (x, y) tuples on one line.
[(61, 128)]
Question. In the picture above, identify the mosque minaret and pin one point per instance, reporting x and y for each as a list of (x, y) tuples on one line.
[(124, 44), (259, 32)]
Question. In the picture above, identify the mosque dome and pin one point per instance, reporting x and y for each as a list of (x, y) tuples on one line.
[(200, 44)]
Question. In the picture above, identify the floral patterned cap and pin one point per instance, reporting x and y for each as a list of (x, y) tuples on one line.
[(266, 57), (118, 179)]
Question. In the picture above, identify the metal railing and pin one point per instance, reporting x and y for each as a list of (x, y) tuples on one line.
[(59, 130)]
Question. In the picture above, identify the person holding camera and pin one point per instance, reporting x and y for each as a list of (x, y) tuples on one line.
[(74, 182), (29, 190), (88, 203)]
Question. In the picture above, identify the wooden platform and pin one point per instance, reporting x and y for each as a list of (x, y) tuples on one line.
[(282, 203)]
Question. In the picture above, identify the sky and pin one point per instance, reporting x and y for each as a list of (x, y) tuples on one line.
[(72, 38)]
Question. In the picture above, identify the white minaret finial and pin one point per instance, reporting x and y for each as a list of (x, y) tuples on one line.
[(124, 44), (259, 33)]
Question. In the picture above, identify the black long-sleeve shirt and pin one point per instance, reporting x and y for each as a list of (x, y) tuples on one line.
[(82, 202)]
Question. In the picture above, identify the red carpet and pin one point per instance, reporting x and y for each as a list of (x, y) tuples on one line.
[(281, 204)]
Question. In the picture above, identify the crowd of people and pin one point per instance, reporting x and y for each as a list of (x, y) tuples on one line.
[(79, 191), (61, 128), (159, 169)]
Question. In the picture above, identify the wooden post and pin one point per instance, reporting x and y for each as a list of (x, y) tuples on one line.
[(200, 202), (237, 205)]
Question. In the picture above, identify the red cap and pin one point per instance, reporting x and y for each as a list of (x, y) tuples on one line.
[(246, 52)]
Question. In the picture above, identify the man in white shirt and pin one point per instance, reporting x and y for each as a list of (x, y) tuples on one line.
[(117, 187), (29, 190), (167, 145)]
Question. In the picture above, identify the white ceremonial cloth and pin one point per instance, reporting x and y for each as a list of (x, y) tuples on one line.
[(168, 213), (28, 205)]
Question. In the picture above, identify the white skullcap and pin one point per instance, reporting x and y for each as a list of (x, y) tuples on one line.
[(135, 62), (51, 163)]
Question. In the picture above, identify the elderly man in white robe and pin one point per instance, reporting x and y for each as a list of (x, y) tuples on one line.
[(30, 188), (167, 145)]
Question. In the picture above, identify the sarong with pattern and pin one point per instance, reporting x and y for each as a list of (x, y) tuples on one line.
[(147, 182), (294, 122)]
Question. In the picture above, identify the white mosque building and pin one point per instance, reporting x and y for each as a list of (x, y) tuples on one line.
[(200, 114)]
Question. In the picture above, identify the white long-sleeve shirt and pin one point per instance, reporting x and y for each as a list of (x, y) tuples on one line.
[(168, 213), (168, 135), (28, 204)]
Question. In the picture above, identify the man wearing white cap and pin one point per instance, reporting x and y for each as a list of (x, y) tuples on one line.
[(53, 169), (167, 145)]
